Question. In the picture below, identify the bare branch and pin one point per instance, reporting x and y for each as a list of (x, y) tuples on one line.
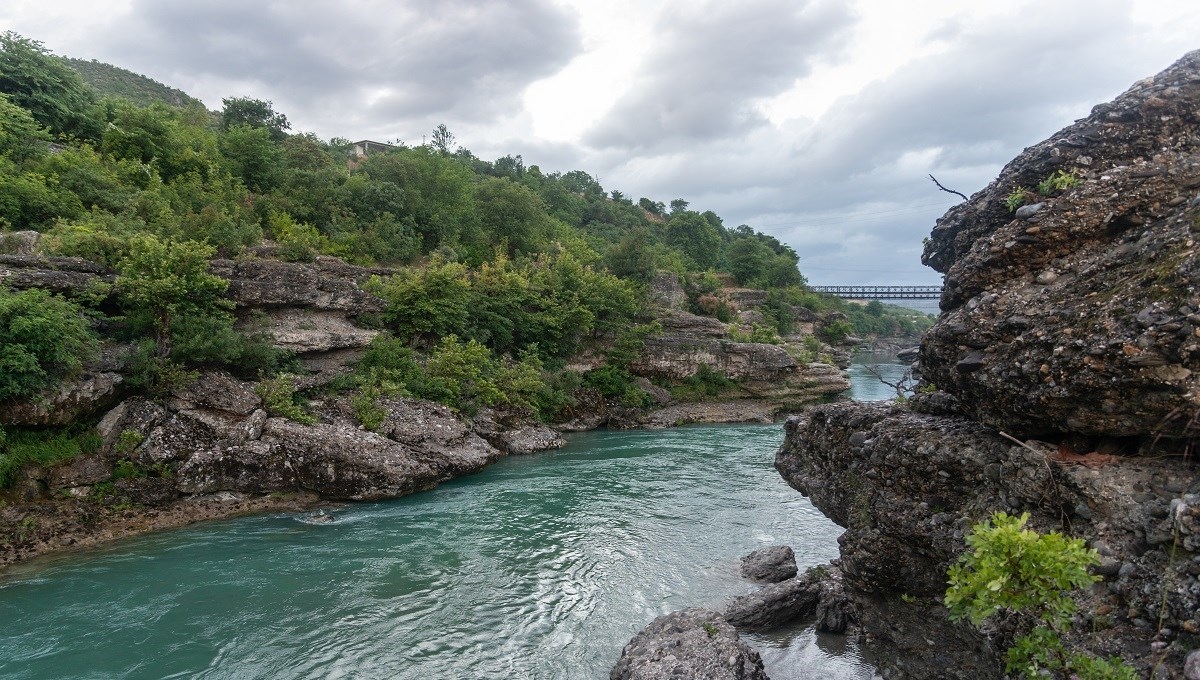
[(949, 191)]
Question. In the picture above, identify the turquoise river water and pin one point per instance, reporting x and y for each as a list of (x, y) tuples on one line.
[(539, 567)]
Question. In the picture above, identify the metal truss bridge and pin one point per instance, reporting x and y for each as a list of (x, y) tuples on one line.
[(882, 292)]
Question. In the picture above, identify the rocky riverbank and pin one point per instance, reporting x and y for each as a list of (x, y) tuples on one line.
[(214, 449), (1060, 381)]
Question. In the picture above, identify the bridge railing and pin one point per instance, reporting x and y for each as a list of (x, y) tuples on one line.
[(882, 292)]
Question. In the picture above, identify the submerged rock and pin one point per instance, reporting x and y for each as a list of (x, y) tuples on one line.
[(693, 643)]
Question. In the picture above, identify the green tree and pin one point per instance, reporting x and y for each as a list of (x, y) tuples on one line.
[(699, 240), (254, 113), (21, 137), (43, 338), (253, 156), (46, 86), (749, 260), (442, 140), (511, 213), (165, 279)]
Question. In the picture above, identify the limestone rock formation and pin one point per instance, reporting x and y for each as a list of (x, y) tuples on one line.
[(908, 486), (1082, 315), (214, 438), (693, 643), (767, 372)]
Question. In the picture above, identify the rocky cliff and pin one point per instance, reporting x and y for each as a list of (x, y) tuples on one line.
[(1061, 380)]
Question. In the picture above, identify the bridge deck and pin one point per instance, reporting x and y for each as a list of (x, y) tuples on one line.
[(882, 292)]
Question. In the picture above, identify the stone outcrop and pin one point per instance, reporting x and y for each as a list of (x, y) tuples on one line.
[(311, 309), (770, 565), (766, 372), (693, 643), (817, 593), (66, 275), (1072, 320), (215, 437), (1089, 303)]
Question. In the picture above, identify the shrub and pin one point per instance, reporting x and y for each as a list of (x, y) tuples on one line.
[(1017, 198), (1017, 571), (157, 376), (279, 398), (836, 333), (43, 338)]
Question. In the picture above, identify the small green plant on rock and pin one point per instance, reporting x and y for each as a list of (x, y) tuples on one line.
[(279, 398), (1017, 198), (1015, 571), (1058, 182)]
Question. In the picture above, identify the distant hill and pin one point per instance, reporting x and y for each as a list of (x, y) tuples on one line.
[(114, 81)]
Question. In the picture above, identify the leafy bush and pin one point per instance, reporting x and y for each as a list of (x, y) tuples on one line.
[(836, 332), (279, 398), (43, 338), (1017, 198), (1012, 570)]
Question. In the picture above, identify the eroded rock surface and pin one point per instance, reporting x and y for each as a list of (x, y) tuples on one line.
[(693, 643), (772, 564), (908, 486), (1081, 316)]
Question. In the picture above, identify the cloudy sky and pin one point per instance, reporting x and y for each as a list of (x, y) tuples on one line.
[(815, 121)]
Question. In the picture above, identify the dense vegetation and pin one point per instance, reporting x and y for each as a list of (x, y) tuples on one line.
[(503, 270)]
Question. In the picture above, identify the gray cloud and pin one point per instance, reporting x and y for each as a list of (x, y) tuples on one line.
[(961, 114), (710, 61), (370, 64)]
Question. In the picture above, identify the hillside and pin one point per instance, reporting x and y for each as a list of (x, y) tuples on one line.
[(114, 81)]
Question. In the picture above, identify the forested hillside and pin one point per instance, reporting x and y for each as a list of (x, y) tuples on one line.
[(500, 271), (113, 81)]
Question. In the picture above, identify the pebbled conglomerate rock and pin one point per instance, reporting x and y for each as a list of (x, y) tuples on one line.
[(772, 564), (693, 643), (1082, 315), (909, 486)]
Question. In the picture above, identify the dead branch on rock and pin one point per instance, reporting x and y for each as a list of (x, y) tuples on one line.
[(949, 191)]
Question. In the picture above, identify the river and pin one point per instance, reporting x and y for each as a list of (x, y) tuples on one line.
[(538, 567)]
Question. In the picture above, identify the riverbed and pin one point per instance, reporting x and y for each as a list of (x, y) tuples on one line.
[(539, 567)]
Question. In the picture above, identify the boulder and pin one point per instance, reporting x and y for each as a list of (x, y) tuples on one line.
[(770, 565), (693, 643), (774, 604)]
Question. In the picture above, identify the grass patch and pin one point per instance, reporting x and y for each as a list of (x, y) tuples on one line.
[(19, 448)]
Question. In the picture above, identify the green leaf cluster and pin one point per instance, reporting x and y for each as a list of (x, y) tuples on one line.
[(1012, 570), (43, 339)]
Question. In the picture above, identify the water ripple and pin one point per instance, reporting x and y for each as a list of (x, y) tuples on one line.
[(540, 567)]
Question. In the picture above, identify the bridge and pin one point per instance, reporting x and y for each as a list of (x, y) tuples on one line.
[(882, 292)]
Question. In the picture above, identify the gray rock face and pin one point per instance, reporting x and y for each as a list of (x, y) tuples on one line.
[(1092, 310), (57, 274), (770, 565), (818, 592), (327, 284), (667, 293), (1191, 668), (214, 438), (908, 486), (693, 643), (67, 401), (773, 605), (19, 242)]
